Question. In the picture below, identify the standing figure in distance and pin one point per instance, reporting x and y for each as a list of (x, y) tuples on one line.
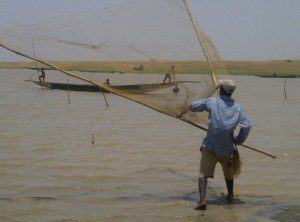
[(43, 75), (170, 75), (107, 82), (219, 144)]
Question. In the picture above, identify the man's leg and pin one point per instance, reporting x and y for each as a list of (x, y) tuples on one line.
[(229, 175), (202, 184), (229, 185), (207, 168)]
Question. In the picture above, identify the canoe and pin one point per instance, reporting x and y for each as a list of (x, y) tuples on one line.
[(138, 88)]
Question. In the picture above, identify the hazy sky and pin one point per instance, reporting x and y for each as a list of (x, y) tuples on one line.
[(241, 29)]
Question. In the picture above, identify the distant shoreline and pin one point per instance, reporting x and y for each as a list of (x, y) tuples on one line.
[(274, 68)]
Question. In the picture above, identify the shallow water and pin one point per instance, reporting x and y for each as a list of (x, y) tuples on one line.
[(143, 165)]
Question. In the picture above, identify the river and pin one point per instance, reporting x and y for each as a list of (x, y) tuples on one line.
[(143, 165)]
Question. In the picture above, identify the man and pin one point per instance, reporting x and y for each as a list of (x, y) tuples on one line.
[(219, 144), (176, 89), (170, 75), (43, 75), (107, 82)]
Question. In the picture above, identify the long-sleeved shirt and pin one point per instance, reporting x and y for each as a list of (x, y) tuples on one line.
[(224, 116)]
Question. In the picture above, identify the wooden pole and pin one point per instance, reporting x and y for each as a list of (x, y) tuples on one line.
[(104, 97), (36, 65), (201, 42), (117, 92), (257, 150), (93, 139), (69, 92), (284, 89)]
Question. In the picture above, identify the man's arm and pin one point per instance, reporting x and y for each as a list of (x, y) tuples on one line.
[(199, 105), (245, 124)]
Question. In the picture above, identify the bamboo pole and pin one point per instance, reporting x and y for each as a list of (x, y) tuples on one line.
[(69, 92), (36, 65), (257, 150), (284, 89), (201, 42), (117, 92)]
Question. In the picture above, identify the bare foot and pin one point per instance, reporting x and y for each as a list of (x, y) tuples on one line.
[(201, 206), (229, 199)]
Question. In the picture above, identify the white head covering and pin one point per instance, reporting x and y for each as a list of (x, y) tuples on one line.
[(228, 85)]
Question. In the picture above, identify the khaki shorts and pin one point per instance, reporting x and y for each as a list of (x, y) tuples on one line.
[(208, 164)]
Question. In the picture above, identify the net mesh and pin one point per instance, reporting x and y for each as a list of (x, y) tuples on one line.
[(142, 37)]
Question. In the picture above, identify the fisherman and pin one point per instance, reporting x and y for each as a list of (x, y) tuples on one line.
[(176, 89), (220, 143), (170, 75), (107, 82), (43, 75)]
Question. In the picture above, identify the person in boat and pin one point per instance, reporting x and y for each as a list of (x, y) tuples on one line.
[(43, 75), (170, 75), (176, 89), (220, 143), (107, 82)]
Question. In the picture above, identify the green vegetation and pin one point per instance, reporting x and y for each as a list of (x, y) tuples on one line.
[(278, 68)]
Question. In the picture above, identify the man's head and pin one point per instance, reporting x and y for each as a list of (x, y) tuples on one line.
[(227, 87)]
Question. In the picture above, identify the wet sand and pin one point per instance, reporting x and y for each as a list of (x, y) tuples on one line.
[(143, 165)]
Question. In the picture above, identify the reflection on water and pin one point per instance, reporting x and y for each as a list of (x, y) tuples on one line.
[(143, 165)]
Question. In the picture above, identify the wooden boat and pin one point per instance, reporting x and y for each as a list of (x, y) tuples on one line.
[(279, 76), (138, 88)]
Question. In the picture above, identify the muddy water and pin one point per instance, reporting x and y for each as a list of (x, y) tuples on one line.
[(143, 165)]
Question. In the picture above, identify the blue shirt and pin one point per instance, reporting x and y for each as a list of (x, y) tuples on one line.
[(224, 116)]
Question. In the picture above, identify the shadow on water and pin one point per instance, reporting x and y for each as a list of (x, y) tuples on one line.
[(214, 193), (262, 207), (221, 201), (212, 198), (154, 198)]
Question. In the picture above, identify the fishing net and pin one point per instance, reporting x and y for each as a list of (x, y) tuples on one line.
[(142, 38)]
